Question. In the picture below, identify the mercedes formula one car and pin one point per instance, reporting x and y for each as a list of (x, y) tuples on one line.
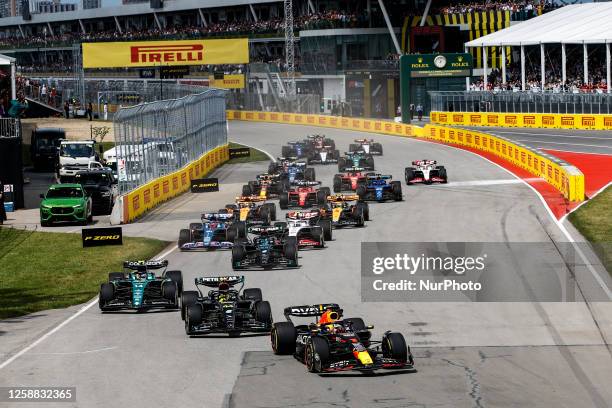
[(266, 186), (140, 288), (216, 231), (341, 213), (333, 343), (225, 309), (353, 178), (267, 250), (425, 171), (356, 159), (308, 229), (378, 188), (367, 145), (305, 195), (247, 210)]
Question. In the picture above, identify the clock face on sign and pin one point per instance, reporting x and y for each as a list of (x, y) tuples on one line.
[(440, 61)]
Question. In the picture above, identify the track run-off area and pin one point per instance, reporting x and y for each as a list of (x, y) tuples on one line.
[(495, 354)]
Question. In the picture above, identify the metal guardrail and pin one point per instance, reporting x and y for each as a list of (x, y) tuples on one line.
[(158, 138), (521, 102), (10, 127)]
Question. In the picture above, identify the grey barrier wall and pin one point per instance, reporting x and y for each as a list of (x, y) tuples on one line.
[(157, 138), (521, 102)]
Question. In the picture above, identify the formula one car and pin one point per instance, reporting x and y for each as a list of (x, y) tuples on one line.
[(353, 178), (378, 189), (216, 231), (425, 171), (320, 142), (266, 186), (308, 228), (266, 250), (341, 213), (225, 309), (247, 210), (305, 195), (356, 159), (280, 165), (296, 172), (368, 146), (325, 155), (333, 344), (296, 149), (139, 288)]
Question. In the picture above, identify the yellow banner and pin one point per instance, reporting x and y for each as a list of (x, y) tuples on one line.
[(157, 53), (233, 81)]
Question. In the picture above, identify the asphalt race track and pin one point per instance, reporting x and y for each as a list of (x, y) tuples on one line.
[(467, 354), (577, 141)]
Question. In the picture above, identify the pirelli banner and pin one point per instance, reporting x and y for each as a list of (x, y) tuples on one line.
[(527, 120), (157, 53), (144, 198)]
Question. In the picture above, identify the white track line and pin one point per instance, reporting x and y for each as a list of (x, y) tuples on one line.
[(560, 225), (480, 183), (49, 333)]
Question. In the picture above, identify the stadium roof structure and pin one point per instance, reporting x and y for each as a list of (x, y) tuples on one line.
[(589, 23)]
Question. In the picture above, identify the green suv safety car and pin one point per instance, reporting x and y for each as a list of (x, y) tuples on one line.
[(65, 203)]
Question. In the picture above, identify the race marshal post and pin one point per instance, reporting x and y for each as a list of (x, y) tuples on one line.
[(430, 66)]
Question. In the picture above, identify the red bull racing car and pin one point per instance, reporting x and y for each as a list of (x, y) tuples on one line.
[(332, 343), (425, 171), (266, 186), (368, 146), (305, 195)]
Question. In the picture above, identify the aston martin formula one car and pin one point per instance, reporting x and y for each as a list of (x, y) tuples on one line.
[(216, 231), (247, 210), (341, 213), (356, 159), (305, 195), (425, 171), (353, 178), (140, 288), (378, 188), (333, 343), (267, 250), (225, 309), (266, 186), (308, 229), (367, 145)]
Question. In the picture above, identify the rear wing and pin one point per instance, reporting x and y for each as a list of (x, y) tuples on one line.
[(379, 176), (214, 281), (286, 159), (359, 152), (267, 177), (315, 136), (216, 217), (249, 199), (143, 265), (306, 183), (337, 198), (311, 310), (266, 229), (302, 215), (424, 162), (353, 169), (364, 140)]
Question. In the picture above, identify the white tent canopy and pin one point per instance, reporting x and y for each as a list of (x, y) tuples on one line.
[(589, 23)]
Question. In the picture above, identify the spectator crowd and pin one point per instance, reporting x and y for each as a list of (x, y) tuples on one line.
[(529, 7)]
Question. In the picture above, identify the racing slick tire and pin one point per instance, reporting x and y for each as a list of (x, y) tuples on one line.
[(246, 190), (341, 164), (330, 142), (184, 237), (409, 175), (309, 174), (283, 201), (283, 336), (272, 208), (353, 147), (442, 174), (283, 185), (316, 346), (361, 191), (231, 233), (193, 316), (337, 184), (263, 312), (252, 294), (113, 276), (238, 255), (176, 277), (272, 167), (290, 251), (170, 291), (322, 195), (365, 210), (326, 226), (378, 148), (241, 227), (196, 230), (188, 297), (286, 151), (394, 346), (107, 293), (281, 224), (396, 187), (265, 215), (369, 163), (317, 235)]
